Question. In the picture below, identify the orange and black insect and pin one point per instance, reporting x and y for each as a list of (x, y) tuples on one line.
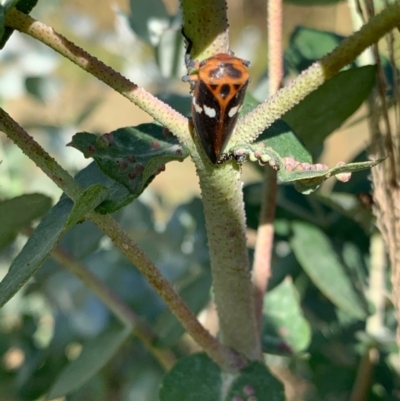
[(218, 87)]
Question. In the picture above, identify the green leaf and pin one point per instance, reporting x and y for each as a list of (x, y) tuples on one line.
[(177, 101), (193, 378), (283, 320), (36, 250), (319, 260), (119, 195), (325, 109), (198, 378), (87, 201), (25, 6), (46, 236), (281, 138), (307, 181), (93, 357), (149, 19), (255, 382), (131, 156), (308, 45), (18, 213)]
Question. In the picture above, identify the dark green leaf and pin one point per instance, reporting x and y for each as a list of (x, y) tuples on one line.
[(36, 250), (325, 109), (193, 378), (322, 264), (281, 138), (131, 156), (283, 319), (308, 45), (94, 356), (87, 202), (119, 195), (255, 382), (18, 213), (177, 101)]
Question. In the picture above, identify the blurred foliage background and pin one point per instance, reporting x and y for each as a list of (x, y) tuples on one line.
[(45, 325)]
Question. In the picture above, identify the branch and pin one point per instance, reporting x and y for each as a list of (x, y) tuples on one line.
[(222, 355), (160, 111), (138, 326), (254, 123)]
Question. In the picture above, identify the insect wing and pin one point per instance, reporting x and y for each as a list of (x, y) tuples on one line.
[(215, 120), (206, 114)]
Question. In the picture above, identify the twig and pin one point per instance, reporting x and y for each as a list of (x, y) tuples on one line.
[(222, 355), (138, 326)]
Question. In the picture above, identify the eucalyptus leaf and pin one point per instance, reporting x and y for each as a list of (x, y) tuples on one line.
[(307, 45), (319, 260), (326, 108), (19, 212), (36, 250), (93, 357), (45, 237), (283, 319)]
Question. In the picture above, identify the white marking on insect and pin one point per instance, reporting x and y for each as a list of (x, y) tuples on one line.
[(209, 111), (233, 111), (196, 106)]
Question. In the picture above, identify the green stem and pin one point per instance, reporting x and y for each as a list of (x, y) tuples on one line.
[(205, 22), (226, 229)]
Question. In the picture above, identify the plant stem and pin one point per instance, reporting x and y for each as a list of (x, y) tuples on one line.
[(226, 229), (265, 233), (160, 111), (222, 355), (139, 327), (265, 241), (205, 22)]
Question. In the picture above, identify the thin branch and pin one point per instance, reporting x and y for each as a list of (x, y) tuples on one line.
[(138, 326), (160, 111), (265, 233), (265, 240), (254, 123), (222, 355)]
